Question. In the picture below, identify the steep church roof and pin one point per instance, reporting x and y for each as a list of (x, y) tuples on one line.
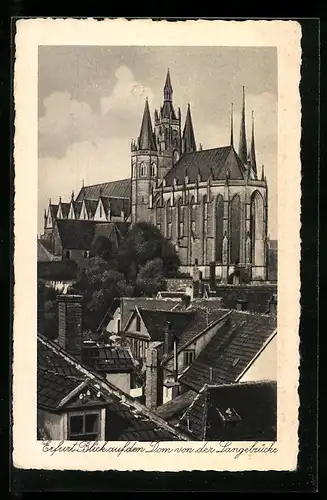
[(167, 110), (146, 138), (205, 163), (114, 189), (188, 134)]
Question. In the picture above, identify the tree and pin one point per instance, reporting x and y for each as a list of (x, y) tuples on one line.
[(150, 278), (102, 247), (145, 243)]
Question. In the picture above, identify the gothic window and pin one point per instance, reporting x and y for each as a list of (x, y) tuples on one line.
[(219, 227), (138, 323), (169, 219), (133, 171), (153, 169), (142, 170), (235, 229), (205, 215), (193, 208), (100, 210), (180, 216), (257, 229)]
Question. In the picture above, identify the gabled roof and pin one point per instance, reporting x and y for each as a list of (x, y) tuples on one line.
[(77, 206), (174, 408), (129, 420), (64, 209), (104, 358), (91, 206), (230, 351), (250, 407), (53, 210), (206, 162), (115, 189), (76, 234), (80, 234), (128, 305), (202, 320), (156, 321), (43, 255)]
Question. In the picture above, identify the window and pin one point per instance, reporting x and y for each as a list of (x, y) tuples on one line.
[(219, 228), (133, 171), (142, 170), (100, 209), (205, 216), (118, 325), (181, 216), (84, 427), (193, 217), (86, 254), (138, 323), (153, 169), (189, 356), (169, 220), (235, 229), (67, 254)]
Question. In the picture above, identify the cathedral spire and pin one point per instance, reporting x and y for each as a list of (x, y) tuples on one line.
[(242, 145), (168, 89), (188, 134), (146, 140), (231, 126), (252, 150)]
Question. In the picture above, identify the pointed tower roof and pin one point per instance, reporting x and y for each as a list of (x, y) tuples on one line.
[(252, 149), (242, 145), (146, 140), (231, 126), (188, 134), (168, 89)]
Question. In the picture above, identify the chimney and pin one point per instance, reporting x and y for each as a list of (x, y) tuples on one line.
[(167, 339), (151, 378), (212, 278), (196, 279), (175, 359), (70, 321)]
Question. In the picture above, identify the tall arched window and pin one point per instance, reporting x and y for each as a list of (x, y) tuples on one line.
[(153, 169), (205, 215), (235, 229), (219, 228), (133, 171), (257, 229), (169, 219), (193, 209), (181, 218), (142, 170)]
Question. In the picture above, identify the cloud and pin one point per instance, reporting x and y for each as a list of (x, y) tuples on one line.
[(128, 94), (92, 161), (67, 120)]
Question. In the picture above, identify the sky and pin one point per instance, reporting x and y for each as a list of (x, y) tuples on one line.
[(91, 101)]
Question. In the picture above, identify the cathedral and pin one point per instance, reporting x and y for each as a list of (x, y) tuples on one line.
[(211, 204)]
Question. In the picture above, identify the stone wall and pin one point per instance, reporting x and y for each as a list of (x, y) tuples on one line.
[(256, 296)]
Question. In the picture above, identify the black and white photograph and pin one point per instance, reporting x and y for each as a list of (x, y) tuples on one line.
[(157, 252), (162, 262)]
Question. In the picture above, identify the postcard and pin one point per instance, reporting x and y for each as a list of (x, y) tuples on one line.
[(156, 245)]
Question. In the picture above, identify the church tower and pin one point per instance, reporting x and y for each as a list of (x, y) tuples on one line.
[(144, 170), (167, 131)]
